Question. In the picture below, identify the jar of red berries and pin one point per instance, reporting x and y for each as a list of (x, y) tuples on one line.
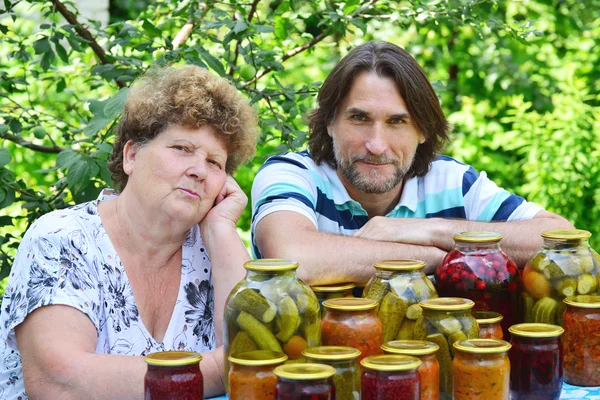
[(479, 270)]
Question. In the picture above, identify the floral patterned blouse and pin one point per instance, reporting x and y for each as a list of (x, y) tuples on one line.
[(67, 258)]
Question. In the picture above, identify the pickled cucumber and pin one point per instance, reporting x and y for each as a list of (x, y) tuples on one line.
[(421, 289), (377, 291), (553, 271), (307, 303), (289, 319), (253, 303), (414, 311), (242, 342), (455, 337), (263, 337), (470, 328), (406, 330), (539, 262), (400, 285), (391, 313), (586, 283), (567, 286), (446, 324), (545, 310), (420, 330), (445, 360), (528, 307)]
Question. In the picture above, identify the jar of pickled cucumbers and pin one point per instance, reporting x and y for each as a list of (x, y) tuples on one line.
[(335, 291), (347, 372), (271, 309), (481, 370), (536, 358), (564, 266), (391, 377), (173, 375), (582, 340), (444, 321), (398, 286), (352, 322), (489, 324), (429, 371), (479, 270), (251, 375), (305, 381)]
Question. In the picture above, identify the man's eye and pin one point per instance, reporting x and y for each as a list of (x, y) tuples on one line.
[(359, 117), (397, 121)]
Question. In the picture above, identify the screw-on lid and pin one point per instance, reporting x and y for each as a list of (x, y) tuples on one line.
[(447, 304), (332, 353), (536, 330), (410, 347), (338, 287), (173, 358), (583, 301), (477, 237), (482, 346), (566, 234), (270, 264), (304, 372), (258, 357), (350, 304), (391, 362), (487, 317), (400, 265)]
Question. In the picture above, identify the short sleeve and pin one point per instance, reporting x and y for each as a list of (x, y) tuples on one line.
[(54, 265), (486, 201)]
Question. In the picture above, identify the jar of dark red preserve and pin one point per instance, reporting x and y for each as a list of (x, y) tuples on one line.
[(391, 377), (173, 375), (308, 381)]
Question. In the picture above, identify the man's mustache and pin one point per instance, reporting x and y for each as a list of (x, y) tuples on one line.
[(373, 159)]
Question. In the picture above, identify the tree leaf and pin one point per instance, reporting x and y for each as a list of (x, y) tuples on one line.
[(95, 125), (41, 46), (211, 61), (114, 106), (5, 157), (150, 29), (62, 53), (67, 158), (240, 26), (47, 60), (80, 173)]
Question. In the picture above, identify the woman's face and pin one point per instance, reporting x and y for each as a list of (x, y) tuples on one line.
[(178, 174)]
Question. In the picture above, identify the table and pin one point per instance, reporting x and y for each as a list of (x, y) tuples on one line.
[(568, 392)]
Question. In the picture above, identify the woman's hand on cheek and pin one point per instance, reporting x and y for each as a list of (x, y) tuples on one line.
[(229, 204)]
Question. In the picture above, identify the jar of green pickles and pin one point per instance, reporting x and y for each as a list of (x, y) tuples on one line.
[(335, 291), (398, 286), (271, 309), (445, 321), (564, 266), (347, 372)]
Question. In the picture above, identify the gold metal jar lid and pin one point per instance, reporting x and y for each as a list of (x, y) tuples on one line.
[(391, 362), (583, 301), (536, 330), (173, 358), (335, 288), (487, 317), (566, 234), (270, 264), (304, 372), (447, 304), (477, 237), (257, 358), (350, 304), (410, 347), (332, 353), (482, 346), (400, 265)]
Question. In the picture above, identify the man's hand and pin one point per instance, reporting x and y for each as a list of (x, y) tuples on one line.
[(417, 231), (229, 204)]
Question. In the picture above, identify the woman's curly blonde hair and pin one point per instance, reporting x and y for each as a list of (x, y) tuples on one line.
[(189, 96)]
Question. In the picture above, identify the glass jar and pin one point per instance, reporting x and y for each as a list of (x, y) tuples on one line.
[(429, 371), (328, 292), (563, 267), (398, 286), (271, 309), (481, 370), (446, 320), (251, 375), (390, 377), (347, 372), (582, 340), (173, 375), (479, 270), (305, 382), (536, 358), (489, 324), (352, 322)]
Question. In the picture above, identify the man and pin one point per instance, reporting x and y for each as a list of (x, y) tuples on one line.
[(371, 187)]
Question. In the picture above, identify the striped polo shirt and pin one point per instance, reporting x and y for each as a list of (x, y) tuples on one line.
[(293, 182)]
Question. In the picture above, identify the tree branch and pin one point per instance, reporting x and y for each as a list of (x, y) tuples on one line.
[(237, 44), (84, 33), (186, 30), (300, 49), (22, 142)]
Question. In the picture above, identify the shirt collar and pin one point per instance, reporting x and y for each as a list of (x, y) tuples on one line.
[(410, 195)]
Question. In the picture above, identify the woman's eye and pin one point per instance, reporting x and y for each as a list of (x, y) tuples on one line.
[(215, 163), (181, 148)]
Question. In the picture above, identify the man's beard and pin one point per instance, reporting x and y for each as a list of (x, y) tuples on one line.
[(374, 182)]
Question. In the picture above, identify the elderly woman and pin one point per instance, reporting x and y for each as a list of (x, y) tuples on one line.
[(143, 269)]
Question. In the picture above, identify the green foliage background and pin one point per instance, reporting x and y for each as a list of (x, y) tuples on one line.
[(518, 79)]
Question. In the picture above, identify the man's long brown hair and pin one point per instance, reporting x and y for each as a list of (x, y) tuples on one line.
[(386, 60)]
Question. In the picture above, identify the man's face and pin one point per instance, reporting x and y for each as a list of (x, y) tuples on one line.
[(374, 139)]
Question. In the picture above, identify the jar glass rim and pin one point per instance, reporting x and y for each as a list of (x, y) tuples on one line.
[(410, 347), (258, 358), (304, 371), (270, 264), (583, 301), (350, 304), (332, 353), (338, 287), (400, 265), (536, 330), (482, 346), (477, 237), (173, 358), (391, 362), (566, 234), (447, 304)]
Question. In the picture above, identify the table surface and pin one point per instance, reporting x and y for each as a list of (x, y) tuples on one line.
[(568, 392)]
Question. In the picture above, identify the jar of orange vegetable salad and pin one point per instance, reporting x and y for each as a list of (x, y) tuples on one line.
[(489, 324), (352, 322), (481, 370), (430, 367), (582, 340), (251, 375)]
